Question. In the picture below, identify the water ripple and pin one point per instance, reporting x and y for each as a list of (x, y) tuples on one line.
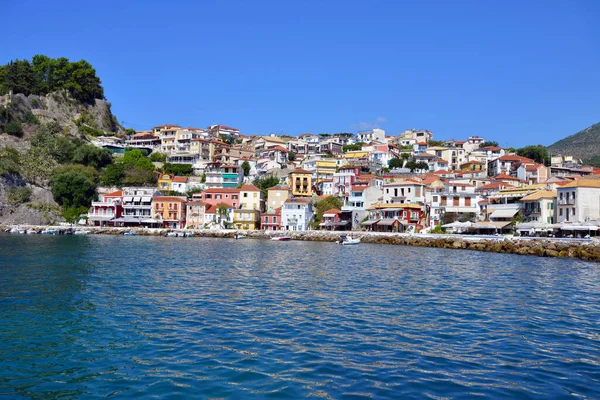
[(97, 317)]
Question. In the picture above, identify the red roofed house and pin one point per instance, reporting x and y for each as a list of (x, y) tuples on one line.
[(532, 173), (506, 164), (170, 211), (108, 208)]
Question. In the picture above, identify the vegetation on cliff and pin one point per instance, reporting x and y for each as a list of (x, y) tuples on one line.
[(584, 144), (45, 75)]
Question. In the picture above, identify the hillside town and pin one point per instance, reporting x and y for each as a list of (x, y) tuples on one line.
[(384, 183)]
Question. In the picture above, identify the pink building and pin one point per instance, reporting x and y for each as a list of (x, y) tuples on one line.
[(107, 209)]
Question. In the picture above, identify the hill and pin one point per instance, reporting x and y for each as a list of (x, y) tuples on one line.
[(49, 111), (584, 144)]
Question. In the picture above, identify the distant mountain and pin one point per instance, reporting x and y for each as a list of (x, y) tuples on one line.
[(584, 144)]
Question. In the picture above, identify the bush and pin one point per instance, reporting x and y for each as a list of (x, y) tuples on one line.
[(29, 118), (16, 195), (158, 157), (72, 189), (438, 230), (73, 214), (14, 128)]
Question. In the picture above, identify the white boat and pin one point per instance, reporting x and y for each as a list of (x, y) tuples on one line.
[(81, 232), (129, 233), (347, 240), (281, 238), (50, 231), (32, 232)]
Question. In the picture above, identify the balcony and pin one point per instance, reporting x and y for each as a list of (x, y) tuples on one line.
[(104, 204), (566, 202)]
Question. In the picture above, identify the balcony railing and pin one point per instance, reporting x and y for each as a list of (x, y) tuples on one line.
[(566, 202)]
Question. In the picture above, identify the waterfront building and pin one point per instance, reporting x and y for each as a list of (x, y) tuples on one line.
[(194, 214), (179, 184), (333, 221), (579, 201), (405, 191), (219, 215), (395, 217), (246, 219), (137, 207), (540, 206), (296, 214), (251, 198), (271, 220), (107, 209), (169, 211)]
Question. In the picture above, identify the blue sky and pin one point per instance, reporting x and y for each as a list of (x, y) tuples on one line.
[(519, 72)]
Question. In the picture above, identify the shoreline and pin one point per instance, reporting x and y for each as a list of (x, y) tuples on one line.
[(588, 250)]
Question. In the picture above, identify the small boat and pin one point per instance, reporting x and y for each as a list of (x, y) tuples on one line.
[(347, 240), (129, 233), (281, 238), (32, 232), (238, 236), (81, 232), (50, 231)]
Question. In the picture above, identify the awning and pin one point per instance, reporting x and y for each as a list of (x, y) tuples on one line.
[(341, 223), (491, 225), (149, 221), (128, 198), (369, 222), (504, 213), (128, 220), (147, 198), (387, 221), (136, 199), (457, 224), (579, 228)]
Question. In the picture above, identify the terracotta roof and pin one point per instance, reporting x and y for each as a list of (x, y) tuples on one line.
[(514, 158), (332, 211), (170, 198), (180, 179), (540, 194), (300, 171), (212, 208), (249, 188), (504, 176), (222, 190), (118, 193), (280, 148), (589, 183)]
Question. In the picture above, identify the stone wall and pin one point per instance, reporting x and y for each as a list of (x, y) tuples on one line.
[(585, 250)]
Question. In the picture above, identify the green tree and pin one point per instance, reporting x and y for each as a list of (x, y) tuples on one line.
[(537, 153), (222, 212), (291, 156), (489, 143), (73, 214), (266, 182), (72, 189), (323, 205), (89, 172), (158, 157), (16, 195), (411, 165), (113, 175), (395, 163), (178, 169), (246, 167), (10, 162), (422, 166), (93, 156), (352, 147), (435, 143)]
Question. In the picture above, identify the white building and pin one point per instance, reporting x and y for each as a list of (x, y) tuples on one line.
[(404, 192), (579, 201), (296, 214), (540, 207), (373, 135)]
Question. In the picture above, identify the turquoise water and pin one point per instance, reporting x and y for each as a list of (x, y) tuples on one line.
[(126, 317)]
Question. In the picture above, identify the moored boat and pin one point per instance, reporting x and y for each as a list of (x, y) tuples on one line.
[(281, 238), (347, 240)]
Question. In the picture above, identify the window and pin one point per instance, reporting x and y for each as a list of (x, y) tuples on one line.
[(274, 220), (245, 195), (255, 195), (467, 201), (560, 212)]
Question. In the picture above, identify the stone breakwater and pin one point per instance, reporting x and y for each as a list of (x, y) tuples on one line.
[(588, 250)]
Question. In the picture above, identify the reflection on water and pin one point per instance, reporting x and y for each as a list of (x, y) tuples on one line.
[(130, 316)]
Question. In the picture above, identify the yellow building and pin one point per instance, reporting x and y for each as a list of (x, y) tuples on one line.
[(326, 168), (169, 211), (301, 182), (164, 182), (473, 166), (246, 219)]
